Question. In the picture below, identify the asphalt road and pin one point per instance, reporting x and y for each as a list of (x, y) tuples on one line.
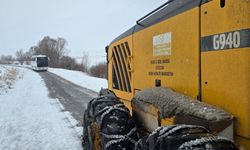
[(73, 97)]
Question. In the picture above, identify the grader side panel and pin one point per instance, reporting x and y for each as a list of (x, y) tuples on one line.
[(225, 60)]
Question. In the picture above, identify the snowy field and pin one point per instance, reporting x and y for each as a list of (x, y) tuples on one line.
[(81, 79), (29, 119)]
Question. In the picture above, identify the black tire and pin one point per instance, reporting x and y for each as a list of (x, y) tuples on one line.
[(116, 126), (184, 137)]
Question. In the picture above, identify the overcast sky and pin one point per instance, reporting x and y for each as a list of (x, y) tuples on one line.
[(87, 25)]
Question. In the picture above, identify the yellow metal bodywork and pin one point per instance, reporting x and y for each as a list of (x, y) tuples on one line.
[(226, 73), (183, 62), (167, 121), (221, 78)]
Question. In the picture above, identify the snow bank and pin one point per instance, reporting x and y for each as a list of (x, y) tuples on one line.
[(8, 76), (81, 79), (31, 120)]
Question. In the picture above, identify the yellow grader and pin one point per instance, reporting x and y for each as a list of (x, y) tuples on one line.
[(177, 80)]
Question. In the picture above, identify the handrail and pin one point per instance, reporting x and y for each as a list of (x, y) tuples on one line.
[(152, 12)]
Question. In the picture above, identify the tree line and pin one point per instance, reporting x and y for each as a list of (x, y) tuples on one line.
[(57, 53)]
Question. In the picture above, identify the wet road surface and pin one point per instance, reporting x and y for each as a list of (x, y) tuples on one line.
[(73, 97)]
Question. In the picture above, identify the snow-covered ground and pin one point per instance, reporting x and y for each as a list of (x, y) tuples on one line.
[(29, 119), (81, 79)]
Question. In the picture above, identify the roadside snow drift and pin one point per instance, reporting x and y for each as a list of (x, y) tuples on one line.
[(8, 76), (31, 120), (81, 79)]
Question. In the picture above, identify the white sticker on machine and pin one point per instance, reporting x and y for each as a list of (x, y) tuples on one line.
[(162, 44)]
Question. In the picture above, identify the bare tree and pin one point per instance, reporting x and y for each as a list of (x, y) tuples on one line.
[(85, 62), (20, 56), (60, 46), (53, 48), (99, 70), (8, 59), (23, 56), (34, 50), (68, 63), (2, 60)]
